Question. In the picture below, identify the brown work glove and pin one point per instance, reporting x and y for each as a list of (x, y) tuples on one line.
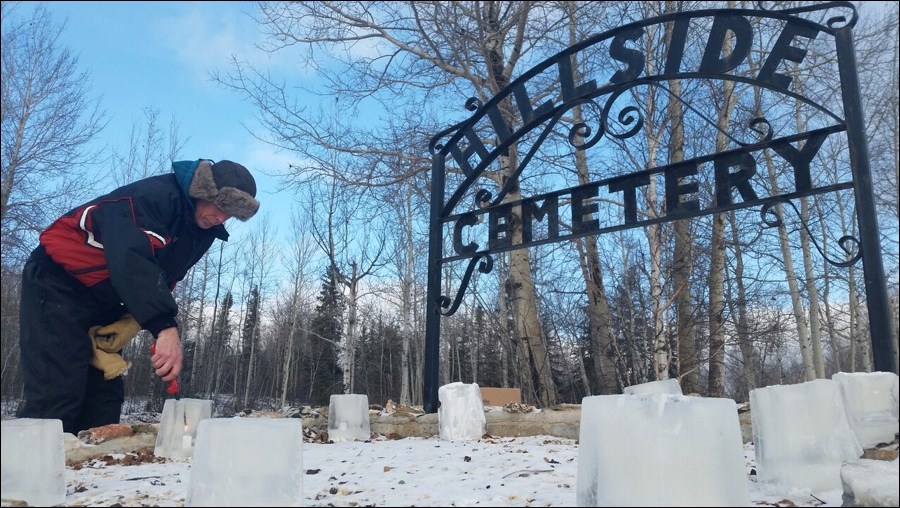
[(115, 336), (108, 341)]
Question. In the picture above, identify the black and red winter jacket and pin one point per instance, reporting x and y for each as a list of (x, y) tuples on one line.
[(134, 244)]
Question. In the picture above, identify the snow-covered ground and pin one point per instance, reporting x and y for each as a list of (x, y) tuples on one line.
[(493, 471), (526, 471)]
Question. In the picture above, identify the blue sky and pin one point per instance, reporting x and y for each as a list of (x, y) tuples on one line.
[(159, 55)]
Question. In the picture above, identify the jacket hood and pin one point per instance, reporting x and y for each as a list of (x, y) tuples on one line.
[(184, 173)]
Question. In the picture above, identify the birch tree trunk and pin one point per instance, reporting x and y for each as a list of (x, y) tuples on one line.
[(743, 327), (406, 307), (527, 323), (209, 361), (846, 219), (812, 291), (859, 343), (716, 379), (682, 256), (350, 342), (660, 347), (599, 318), (288, 355), (506, 346), (416, 373), (815, 333), (297, 263), (853, 329), (793, 286), (660, 356), (826, 298), (199, 344), (520, 286), (790, 274)]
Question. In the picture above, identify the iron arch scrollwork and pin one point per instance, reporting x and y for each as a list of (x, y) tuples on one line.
[(485, 266), (848, 243)]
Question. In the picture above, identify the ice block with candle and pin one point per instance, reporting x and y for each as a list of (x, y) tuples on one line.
[(178, 427)]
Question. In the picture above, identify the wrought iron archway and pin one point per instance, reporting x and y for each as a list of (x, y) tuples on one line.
[(733, 169)]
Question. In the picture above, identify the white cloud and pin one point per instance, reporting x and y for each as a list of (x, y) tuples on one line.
[(264, 157), (206, 35)]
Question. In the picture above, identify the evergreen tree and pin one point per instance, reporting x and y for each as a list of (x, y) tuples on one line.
[(250, 331), (219, 340), (250, 342), (325, 339)]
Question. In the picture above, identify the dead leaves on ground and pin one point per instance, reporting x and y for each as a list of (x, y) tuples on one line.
[(142, 456)]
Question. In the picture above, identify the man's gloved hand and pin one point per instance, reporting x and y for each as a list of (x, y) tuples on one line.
[(112, 364), (115, 336), (108, 341)]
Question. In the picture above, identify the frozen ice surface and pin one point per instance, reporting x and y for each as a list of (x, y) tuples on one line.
[(871, 483), (801, 436), (461, 412), (660, 450), (33, 461), (247, 462), (870, 399), (670, 386), (348, 418)]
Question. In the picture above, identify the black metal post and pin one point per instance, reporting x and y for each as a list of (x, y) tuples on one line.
[(880, 322), (432, 306)]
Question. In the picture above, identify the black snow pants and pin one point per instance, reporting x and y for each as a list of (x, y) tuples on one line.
[(56, 312)]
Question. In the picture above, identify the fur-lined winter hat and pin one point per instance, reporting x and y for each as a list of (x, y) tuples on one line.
[(227, 184)]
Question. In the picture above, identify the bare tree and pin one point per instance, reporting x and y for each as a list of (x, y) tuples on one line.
[(337, 216), (194, 325), (297, 261), (403, 203), (48, 119), (418, 51), (257, 263), (738, 307), (150, 150), (599, 320), (412, 62), (716, 384), (682, 257)]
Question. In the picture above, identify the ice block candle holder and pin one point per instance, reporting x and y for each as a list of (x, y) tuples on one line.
[(178, 427), (34, 462), (348, 418)]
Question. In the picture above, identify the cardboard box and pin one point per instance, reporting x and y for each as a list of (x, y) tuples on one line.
[(500, 396)]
